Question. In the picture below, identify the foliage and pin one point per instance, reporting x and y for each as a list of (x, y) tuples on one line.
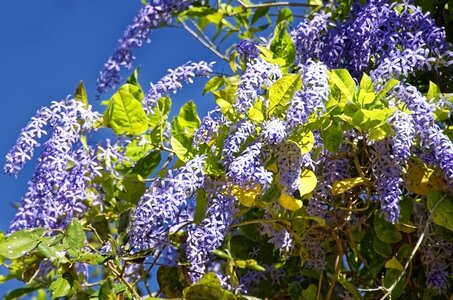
[(324, 172)]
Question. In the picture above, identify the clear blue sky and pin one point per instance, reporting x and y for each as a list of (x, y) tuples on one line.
[(48, 46)]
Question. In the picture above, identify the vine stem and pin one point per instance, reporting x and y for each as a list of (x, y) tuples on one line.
[(414, 251), (131, 289), (201, 40), (276, 4)]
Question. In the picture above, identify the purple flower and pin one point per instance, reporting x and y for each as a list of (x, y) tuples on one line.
[(247, 170), (58, 188), (173, 81), (209, 234), (311, 98), (239, 133), (165, 206), (387, 173), (152, 15), (257, 74), (248, 49), (289, 162), (274, 131)]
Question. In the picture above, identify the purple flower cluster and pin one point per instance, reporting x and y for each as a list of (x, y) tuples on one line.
[(209, 127), (152, 15), (165, 206), (281, 239), (274, 131), (437, 258), (248, 49), (289, 163), (239, 133), (431, 136), (311, 98), (258, 73), (388, 179), (247, 169), (209, 234), (173, 81), (398, 38), (58, 190)]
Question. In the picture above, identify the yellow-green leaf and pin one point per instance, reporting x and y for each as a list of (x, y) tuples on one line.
[(304, 139), (341, 186), (393, 263), (307, 182), (289, 202)]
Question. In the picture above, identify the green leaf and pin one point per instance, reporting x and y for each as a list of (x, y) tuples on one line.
[(304, 139), (213, 84), (341, 186), (182, 130), (388, 86), (17, 293), (349, 286), (344, 81), (249, 264), (285, 14), (433, 92), (133, 78), (282, 45), (81, 94), (125, 114), (366, 84), (136, 149), (212, 166), (307, 182), (208, 288), (19, 244), (282, 91), (393, 263), (75, 236), (391, 275), (365, 119), (160, 112), (385, 231), (147, 164), (381, 248), (257, 111), (200, 207), (225, 99), (134, 188), (188, 117), (60, 288), (310, 293), (441, 208), (169, 281), (332, 137)]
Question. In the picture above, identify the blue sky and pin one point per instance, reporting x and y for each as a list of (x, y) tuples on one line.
[(48, 46)]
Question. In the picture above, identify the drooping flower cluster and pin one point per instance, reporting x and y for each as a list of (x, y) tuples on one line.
[(166, 206), (207, 236), (432, 137), (173, 81), (247, 169), (396, 38), (239, 133), (257, 74), (311, 98), (154, 14), (248, 49), (57, 190)]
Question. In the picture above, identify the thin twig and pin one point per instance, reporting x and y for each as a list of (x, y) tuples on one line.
[(115, 272), (414, 251), (201, 40), (276, 4)]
